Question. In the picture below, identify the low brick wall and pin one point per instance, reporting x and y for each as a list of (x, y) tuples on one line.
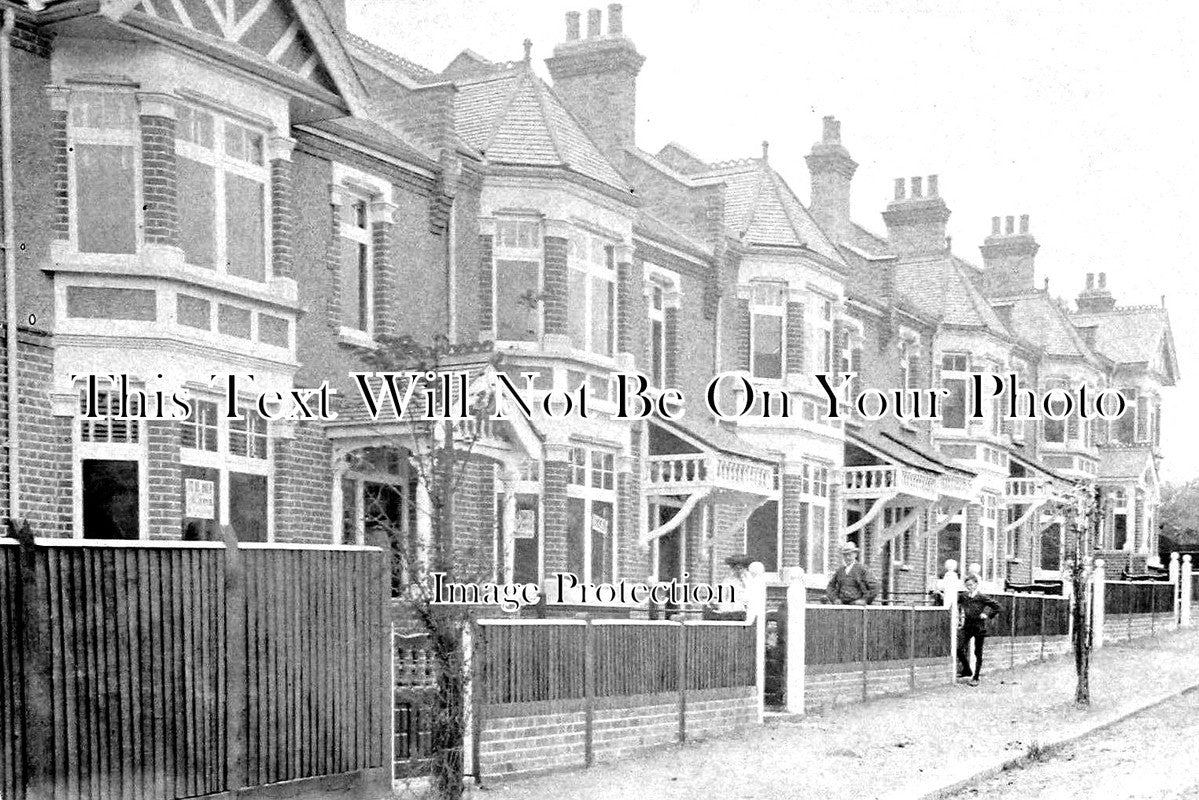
[(523, 739), (1117, 627), (837, 684), (1005, 652)]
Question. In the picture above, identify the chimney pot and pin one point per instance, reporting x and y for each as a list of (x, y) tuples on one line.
[(572, 26), (932, 185), (528, 43), (832, 130), (994, 226), (1024, 223), (1047, 284), (1011, 225), (593, 23), (917, 186), (1090, 280), (899, 189), (765, 150), (615, 18), (1102, 280)]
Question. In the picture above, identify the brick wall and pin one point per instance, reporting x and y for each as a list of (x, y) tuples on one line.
[(61, 168), (486, 275), (165, 478), (741, 314), (972, 531), (839, 684), (556, 306), (159, 191), (795, 545), (303, 486), (45, 457), (554, 501), (474, 521), (522, 740), (387, 321), (282, 256)]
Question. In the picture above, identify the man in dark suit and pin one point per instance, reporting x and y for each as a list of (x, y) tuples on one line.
[(852, 584)]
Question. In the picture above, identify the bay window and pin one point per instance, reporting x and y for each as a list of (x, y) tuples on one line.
[(104, 142), (767, 314), (226, 472), (813, 512), (517, 280), (221, 178), (590, 512), (989, 523), (591, 287)]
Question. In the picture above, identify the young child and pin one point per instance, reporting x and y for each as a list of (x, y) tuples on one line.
[(975, 609)]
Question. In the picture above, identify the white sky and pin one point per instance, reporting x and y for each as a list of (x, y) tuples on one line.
[(1081, 114)]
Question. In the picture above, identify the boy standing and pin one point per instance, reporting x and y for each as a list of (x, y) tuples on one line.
[(975, 609)]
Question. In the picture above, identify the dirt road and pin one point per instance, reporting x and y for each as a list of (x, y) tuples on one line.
[(1151, 755)]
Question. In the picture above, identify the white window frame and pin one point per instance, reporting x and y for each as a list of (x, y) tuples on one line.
[(502, 250), (110, 451), (768, 298), (224, 461), (224, 164), (815, 488), (988, 521), (962, 374), (364, 239), (579, 485), (124, 137), (661, 293), (596, 259)]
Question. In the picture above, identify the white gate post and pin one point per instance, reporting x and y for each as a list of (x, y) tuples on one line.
[(1186, 577), (1174, 568), (1097, 591), (1176, 584), (468, 721), (755, 608), (797, 618)]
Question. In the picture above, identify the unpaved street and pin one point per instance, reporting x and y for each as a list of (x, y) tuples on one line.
[(1151, 755)]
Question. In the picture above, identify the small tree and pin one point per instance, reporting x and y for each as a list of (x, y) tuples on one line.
[(437, 454), (1082, 514)]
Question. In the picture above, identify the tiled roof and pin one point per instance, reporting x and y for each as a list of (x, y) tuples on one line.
[(1038, 317), (761, 208), (656, 230), (366, 132), (513, 117), (1132, 335), (942, 287), (1121, 463), (717, 437)]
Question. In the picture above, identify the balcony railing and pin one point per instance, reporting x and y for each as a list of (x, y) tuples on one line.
[(1025, 490), (682, 473), (879, 480), (958, 486)]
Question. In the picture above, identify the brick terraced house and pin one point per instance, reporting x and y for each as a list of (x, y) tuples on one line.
[(248, 188)]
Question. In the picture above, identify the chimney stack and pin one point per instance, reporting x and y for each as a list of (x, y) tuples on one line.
[(831, 170), (1096, 299), (615, 19), (596, 78), (916, 222), (1008, 258)]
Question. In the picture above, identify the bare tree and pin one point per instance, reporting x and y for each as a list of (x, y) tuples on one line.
[(1082, 514), (435, 457)]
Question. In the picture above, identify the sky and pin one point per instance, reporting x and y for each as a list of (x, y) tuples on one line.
[(1081, 115)]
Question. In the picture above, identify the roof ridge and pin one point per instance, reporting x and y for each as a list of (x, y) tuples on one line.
[(753, 206), (776, 180), (542, 99), (733, 162), (499, 118), (387, 55)]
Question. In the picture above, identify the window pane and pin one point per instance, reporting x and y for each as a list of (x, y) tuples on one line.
[(1055, 430), (352, 288), (601, 541), (953, 412), (576, 522), (577, 292), (603, 296), (516, 300), (94, 302), (525, 537), (762, 535), (768, 346), (197, 212), (245, 227), (110, 499), (247, 506), (200, 528), (106, 206), (657, 354), (819, 556)]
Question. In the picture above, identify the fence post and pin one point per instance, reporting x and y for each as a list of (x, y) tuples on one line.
[(912, 648), (588, 693), (953, 637), (470, 741), (478, 697), (796, 653), (681, 673), (1012, 629), (1044, 600), (235, 660), (1097, 611), (865, 652), (756, 605), (1186, 579), (1175, 581), (33, 615)]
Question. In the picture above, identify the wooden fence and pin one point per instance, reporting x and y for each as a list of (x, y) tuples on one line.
[(415, 677), (1135, 608), (875, 634), (164, 670)]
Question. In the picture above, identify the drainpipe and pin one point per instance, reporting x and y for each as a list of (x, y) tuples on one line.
[(10, 268)]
